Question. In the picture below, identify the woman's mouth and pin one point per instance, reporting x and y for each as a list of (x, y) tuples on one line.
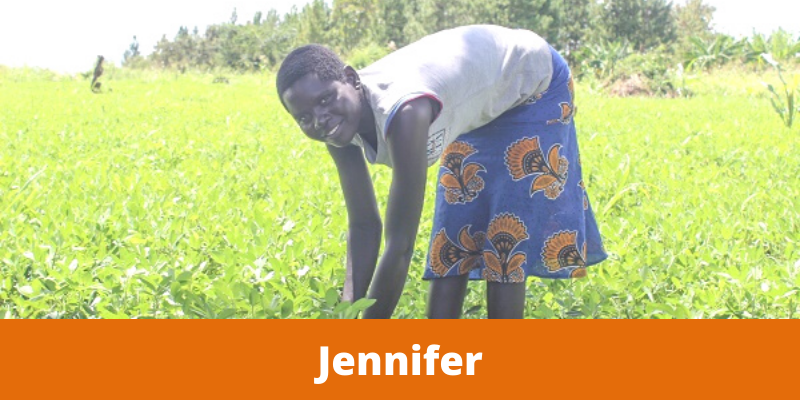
[(331, 133)]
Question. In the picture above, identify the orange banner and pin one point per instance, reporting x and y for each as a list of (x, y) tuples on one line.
[(467, 359)]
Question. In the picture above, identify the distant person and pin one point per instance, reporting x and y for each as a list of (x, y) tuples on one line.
[(98, 71), (495, 105)]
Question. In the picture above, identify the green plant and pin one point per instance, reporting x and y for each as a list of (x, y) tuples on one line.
[(711, 53), (784, 103), (780, 45), (603, 58), (654, 68), (173, 197)]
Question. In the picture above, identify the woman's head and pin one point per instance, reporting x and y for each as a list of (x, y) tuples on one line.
[(322, 94)]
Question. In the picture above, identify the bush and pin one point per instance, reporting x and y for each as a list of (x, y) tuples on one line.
[(661, 75), (654, 73), (363, 56)]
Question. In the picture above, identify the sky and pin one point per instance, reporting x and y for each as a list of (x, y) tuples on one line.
[(67, 36)]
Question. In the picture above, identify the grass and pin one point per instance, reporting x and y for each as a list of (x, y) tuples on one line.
[(168, 196)]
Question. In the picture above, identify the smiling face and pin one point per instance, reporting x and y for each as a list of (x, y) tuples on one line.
[(326, 110)]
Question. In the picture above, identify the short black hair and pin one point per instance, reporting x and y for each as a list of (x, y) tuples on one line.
[(309, 59)]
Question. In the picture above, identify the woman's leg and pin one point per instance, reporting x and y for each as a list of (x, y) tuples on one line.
[(446, 297), (505, 300)]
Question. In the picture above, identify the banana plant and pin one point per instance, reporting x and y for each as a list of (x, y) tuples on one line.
[(780, 45), (604, 57), (706, 54)]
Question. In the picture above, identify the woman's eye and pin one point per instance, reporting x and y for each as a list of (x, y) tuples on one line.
[(325, 100)]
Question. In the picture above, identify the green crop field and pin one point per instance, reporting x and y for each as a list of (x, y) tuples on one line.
[(169, 196)]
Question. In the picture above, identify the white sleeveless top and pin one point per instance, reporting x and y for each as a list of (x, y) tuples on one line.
[(475, 73)]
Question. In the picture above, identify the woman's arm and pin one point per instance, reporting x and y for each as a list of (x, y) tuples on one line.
[(407, 142), (364, 221)]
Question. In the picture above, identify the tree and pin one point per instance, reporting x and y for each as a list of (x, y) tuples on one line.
[(234, 17), (642, 23), (315, 22), (132, 55), (574, 26), (355, 22), (351, 26), (394, 20), (693, 19)]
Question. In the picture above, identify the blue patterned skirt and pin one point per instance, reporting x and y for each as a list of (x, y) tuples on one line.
[(511, 202)]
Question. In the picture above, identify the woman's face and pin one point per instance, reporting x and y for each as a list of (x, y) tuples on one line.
[(326, 111)]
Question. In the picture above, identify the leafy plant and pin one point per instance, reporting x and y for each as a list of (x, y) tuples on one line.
[(603, 58), (711, 53), (657, 71), (781, 46), (784, 102)]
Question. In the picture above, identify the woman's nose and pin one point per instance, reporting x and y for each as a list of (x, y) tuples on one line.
[(320, 120)]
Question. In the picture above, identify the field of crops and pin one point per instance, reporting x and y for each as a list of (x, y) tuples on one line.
[(169, 196)]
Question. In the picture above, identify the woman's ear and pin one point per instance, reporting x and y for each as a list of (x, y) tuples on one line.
[(352, 77)]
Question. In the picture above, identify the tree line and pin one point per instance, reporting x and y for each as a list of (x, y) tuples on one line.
[(603, 39), (353, 26)]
